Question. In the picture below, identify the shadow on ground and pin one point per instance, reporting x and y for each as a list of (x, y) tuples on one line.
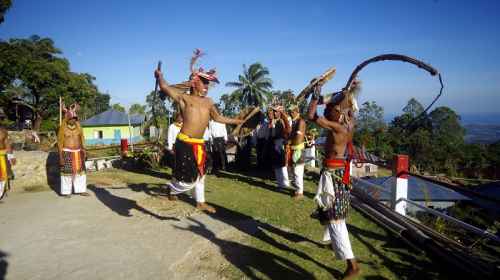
[(122, 206), (248, 259), (256, 178), (52, 172), (412, 264), (3, 264)]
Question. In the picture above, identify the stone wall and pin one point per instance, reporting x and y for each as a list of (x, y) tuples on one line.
[(35, 170), (38, 170)]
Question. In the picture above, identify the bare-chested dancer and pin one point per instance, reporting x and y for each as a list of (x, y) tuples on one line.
[(295, 151), (334, 186), (6, 156), (72, 154), (196, 109)]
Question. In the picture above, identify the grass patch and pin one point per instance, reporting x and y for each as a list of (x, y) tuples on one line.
[(289, 233), (383, 172), (280, 240)]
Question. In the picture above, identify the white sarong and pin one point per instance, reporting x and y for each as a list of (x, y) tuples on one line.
[(339, 236), (178, 187), (79, 182), (281, 174), (297, 172)]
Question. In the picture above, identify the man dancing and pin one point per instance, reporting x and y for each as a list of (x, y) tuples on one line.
[(280, 132), (295, 151), (334, 184), (72, 154), (6, 157), (196, 110)]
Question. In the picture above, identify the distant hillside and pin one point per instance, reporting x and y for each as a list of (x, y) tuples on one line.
[(482, 133), (480, 127)]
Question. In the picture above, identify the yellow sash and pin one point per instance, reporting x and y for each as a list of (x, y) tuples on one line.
[(4, 176), (186, 138)]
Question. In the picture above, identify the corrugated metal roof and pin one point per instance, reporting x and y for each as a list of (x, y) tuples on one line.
[(418, 190), (113, 117)]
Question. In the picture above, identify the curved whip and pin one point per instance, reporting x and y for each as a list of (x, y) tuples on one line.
[(397, 57)]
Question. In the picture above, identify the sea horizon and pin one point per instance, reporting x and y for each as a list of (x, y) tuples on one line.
[(487, 118)]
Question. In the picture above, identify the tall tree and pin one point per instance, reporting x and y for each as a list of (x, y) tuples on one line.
[(230, 104), (156, 110), (137, 109), (413, 108), (118, 107), (448, 137), (36, 65), (253, 86), (370, 117)]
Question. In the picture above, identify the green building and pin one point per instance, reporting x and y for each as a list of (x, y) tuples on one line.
[(111, 126)]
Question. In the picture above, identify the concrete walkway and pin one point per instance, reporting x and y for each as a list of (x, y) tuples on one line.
[(104, 236)]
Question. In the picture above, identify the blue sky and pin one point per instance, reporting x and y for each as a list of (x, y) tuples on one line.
[(120, 43)]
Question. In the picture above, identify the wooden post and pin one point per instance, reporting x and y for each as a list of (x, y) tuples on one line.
[(400, 187), (60, 111)]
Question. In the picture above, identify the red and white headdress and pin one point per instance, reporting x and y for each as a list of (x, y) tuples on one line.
[(210, 75), (71, 112)]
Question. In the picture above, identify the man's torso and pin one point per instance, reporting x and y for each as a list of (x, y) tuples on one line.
[(336, 143), (196, 114), (72, 138)]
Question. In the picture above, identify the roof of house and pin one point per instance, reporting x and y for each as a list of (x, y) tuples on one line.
[(418, 190), (491, 190), (113, 117)]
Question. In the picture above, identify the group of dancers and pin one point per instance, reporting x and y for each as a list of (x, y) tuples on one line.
[(288, 150), (281, 137)]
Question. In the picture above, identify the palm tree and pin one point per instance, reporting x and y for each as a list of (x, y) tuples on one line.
[(253, 86)]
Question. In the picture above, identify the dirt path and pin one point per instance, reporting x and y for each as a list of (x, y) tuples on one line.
[(106, 236)]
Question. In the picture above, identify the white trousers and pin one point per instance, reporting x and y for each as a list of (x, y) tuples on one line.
[(281, 174), (178, 187), (310, 155), (336, 231), (79, 182), (3, 184), (297, 172)]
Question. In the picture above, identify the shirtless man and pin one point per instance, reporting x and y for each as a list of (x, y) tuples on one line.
[(196, 109), (6, 157), (72, 154), (334, 186), (295, 151)]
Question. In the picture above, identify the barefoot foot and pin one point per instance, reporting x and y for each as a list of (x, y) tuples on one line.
[(205, 207)]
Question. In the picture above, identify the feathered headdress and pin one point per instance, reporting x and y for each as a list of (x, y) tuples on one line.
[(71, 112), (210, 75)]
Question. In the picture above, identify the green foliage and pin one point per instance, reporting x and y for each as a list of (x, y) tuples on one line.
[(230, 104), (34, 70), (118, 107), (252, 88), (147, 158), (371, 130), (284, 97), (157, 112), (137, 109)]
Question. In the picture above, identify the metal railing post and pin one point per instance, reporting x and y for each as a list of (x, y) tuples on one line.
[(400, 187)]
